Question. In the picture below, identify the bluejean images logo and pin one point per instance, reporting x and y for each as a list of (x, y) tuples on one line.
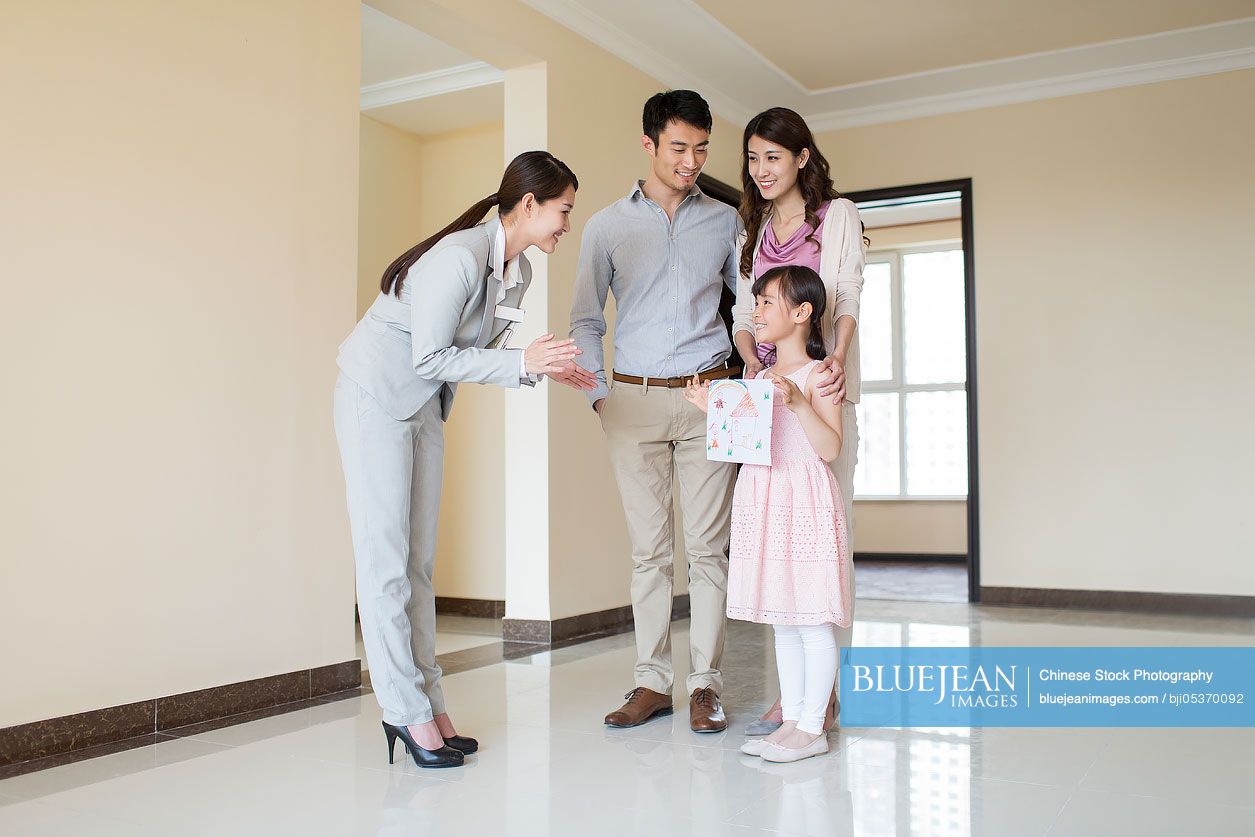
[(964, 687), (1048, 687)]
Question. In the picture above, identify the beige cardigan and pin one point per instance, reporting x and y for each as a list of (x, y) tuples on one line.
[(842, 256)]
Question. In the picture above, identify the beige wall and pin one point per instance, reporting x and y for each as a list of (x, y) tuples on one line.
[(1113, 286), (460, 168), (928, 527), (178, 224), (389, 213)]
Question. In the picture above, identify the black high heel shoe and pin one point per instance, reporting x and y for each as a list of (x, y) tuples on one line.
[(444, 757), (462, 744)]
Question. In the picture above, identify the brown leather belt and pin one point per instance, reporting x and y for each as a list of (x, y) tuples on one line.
[(724, 371)]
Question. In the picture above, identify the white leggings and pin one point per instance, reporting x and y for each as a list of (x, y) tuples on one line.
[(806, 659)]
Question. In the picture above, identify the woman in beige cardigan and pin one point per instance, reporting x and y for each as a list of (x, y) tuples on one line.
[(793, 215)]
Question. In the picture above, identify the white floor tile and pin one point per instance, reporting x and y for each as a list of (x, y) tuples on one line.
[(1097, 814), (1209, 766), (548, 766)]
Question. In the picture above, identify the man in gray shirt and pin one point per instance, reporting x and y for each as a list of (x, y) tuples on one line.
[(665, 251)]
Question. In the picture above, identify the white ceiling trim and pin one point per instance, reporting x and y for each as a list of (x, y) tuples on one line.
[(425, 85), (738, 81), (1029, 91)]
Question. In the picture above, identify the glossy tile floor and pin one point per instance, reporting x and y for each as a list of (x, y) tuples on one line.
[(914, 580), (453, 633), (548, 766)]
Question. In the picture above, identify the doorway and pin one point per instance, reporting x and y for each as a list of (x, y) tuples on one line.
[(917, 482)]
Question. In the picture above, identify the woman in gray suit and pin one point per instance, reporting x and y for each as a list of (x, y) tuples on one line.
[(444, 313)]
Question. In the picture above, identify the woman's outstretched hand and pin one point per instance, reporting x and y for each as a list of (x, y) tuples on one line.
[(697, 393), (575, 376), (547, 355)]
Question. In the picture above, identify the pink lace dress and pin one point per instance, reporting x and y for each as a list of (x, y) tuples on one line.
[(789, 561)]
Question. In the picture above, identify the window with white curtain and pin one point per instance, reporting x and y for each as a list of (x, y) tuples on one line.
[(912, 418)]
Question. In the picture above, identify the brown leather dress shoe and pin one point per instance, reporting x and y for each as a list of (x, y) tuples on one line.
[(706, 712), (642, 704)]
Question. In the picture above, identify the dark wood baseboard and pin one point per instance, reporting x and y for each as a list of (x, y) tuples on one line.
[(147, 719), (911, 556), (483, 608), (1189, 604), (604, 622)]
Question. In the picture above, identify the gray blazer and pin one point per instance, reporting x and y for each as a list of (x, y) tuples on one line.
[(403, 353)]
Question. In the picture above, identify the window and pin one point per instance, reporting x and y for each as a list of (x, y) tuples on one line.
[(912, 417)]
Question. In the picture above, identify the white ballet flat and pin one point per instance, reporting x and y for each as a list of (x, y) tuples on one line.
[(781, 755), (753, 748)]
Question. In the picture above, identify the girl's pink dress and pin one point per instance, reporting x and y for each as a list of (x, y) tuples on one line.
[(789, 561)]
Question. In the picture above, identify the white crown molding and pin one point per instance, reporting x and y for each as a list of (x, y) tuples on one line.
[(1029, 91), (738, 81), (425, 85)]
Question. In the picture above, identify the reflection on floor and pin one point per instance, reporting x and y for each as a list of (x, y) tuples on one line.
[(913, 580), (453, 634), (548, 767)]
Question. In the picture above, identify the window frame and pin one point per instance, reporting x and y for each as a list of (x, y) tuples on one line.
[(897, 385)]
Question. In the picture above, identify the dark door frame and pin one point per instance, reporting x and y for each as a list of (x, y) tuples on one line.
[(964, 188)]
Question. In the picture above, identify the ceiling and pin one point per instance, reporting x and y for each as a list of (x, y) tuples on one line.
[(830, 43), (839, 63), (421, 85), (843, 64), (392, 50)]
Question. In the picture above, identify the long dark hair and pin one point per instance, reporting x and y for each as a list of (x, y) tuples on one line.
[(537, 172), (798, 284), (789, 129)]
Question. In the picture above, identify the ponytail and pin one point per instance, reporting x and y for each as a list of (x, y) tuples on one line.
[(815, 339), (394, 276), (538, 173)]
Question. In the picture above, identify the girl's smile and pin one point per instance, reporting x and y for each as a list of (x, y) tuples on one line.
[(772, 320)]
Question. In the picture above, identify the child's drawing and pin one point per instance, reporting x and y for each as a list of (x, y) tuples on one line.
[(739, 421)]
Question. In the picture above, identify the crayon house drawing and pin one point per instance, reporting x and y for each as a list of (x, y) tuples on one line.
[(739, 425), (744, 421)]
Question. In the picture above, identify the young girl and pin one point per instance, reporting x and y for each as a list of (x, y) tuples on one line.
[(790, 562)]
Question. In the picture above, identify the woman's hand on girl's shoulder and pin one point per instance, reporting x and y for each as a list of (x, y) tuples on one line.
[(827, 409)]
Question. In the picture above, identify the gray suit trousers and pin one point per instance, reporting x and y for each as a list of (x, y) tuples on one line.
[(392, 471)]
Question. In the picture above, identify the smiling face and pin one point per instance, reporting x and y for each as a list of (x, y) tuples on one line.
[(774, 319), (772, 167), (542, 224), (678, 157)]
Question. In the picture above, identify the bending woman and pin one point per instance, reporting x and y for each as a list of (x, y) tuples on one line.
[(441, 305), (793, 215)]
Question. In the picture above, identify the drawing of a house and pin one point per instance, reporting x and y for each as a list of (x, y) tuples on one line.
[(745, 423)]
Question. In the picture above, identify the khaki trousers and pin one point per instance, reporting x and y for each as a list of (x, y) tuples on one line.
[(654, 436)]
